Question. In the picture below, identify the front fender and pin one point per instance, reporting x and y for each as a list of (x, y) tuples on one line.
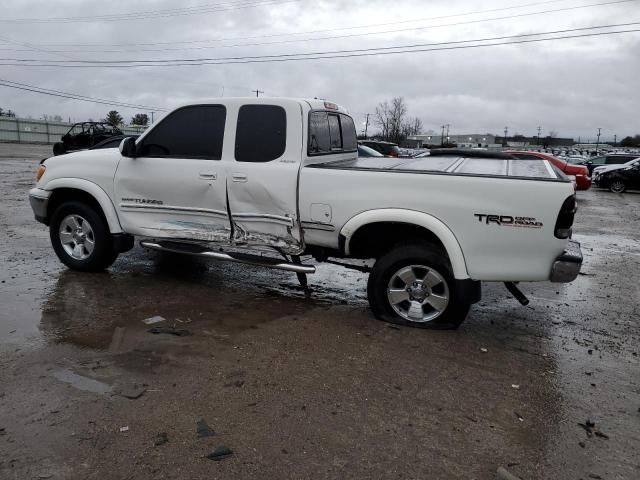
[(95, 191), (424, 220)]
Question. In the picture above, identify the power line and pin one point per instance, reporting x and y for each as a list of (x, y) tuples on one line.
[(151, 14), (307, 32), (74, 96), (352, 35), (452, 45)]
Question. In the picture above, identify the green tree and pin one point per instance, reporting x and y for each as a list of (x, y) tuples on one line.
[(140, 119), (630, 141), (114, 118)]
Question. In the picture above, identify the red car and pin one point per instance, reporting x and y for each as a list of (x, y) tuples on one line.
[(581, 172)]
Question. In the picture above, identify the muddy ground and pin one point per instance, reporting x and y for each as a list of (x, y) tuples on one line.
[(309, 388)]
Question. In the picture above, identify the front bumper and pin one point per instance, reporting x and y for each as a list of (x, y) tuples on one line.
[(567, 266), (39, 200)]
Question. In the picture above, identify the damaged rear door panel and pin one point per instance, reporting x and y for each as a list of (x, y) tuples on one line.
[(262, 176)]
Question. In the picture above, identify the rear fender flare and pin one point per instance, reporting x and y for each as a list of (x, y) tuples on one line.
[(424, 220)]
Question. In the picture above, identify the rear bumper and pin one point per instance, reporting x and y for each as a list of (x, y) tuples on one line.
[(567, 266), (39, 200), (583, 182)]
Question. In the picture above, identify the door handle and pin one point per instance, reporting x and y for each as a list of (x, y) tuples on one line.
[(208, 175), (238, 177)]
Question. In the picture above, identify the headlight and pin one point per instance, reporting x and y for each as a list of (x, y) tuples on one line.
[(40, 173)]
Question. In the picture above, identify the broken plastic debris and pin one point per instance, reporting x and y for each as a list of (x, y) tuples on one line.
[(203, 429), (178, 332), (124, 429), (484, 350), (152, 320), (161, 439), (220, 453)]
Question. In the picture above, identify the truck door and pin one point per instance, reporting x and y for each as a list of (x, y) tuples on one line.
[(175, 187), (262, 177)]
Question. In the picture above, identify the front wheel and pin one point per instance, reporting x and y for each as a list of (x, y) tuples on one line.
[(413, 285), (617, 186), (80, 238)]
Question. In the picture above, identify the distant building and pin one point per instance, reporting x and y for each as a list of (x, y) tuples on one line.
[(467, 140), (518, 141)]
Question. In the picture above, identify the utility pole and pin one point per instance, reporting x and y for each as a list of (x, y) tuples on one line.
[(615, 140), (152, 118), (598, 140), (448, 133), (442, 136), (538, 139), (258, 92), (366, 126), (504, 140)]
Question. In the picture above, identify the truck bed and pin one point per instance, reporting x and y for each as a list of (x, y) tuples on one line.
[(538, 169)]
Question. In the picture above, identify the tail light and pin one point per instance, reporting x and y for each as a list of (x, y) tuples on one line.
[(566, 217)]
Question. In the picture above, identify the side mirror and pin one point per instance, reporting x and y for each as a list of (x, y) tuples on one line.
[(128, 147)]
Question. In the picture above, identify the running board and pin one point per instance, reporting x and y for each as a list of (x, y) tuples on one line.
[(196, 250)]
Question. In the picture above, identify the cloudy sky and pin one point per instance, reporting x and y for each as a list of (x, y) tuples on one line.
[(569, 86)]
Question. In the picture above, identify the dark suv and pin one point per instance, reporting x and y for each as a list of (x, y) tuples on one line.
[(612, 159), (387, 149)]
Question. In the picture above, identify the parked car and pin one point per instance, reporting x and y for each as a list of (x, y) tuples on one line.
[(387, 149), (236, 180), (618, 180), (580, 172), (611, 159), (85, 135), (364, 151)]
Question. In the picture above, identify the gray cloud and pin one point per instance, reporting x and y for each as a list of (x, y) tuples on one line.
[(570, 86)]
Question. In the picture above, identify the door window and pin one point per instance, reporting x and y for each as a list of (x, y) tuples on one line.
[(191, 132), (261, 133)]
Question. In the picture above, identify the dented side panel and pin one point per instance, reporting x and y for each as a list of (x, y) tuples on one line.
[(173, 198), (263, 197)]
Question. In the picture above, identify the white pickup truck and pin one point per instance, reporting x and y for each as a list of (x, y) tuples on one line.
[(236, 179)]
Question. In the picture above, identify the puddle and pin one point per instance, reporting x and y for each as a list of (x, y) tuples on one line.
[(82, 383)]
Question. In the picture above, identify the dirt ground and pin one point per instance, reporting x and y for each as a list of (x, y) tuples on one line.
[(310, 388)]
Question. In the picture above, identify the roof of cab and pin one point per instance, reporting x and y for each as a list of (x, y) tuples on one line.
[(313, 104)]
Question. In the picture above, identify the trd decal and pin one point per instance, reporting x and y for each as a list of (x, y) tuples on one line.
[(508, 220), (146, 201)]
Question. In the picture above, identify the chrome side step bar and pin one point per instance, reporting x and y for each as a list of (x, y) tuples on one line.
[(191, 249)]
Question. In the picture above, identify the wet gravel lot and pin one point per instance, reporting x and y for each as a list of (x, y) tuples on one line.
[(309, 388)]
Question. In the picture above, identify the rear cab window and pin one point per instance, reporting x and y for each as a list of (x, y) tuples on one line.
[(330, 133)]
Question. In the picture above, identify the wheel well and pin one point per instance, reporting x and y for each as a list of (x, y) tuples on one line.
[(375, 239), (61, 195)]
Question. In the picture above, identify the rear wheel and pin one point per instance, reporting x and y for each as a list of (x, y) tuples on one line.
[(413, 285), (80, 238), (617, 185)]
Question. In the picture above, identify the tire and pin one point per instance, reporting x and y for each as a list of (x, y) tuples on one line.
[(419, 262), (80, 237), (617, 185)]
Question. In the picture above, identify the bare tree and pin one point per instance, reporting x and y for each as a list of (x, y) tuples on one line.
[(413, 126), (382, 119)]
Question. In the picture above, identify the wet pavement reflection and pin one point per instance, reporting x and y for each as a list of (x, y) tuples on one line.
[(310, 387)]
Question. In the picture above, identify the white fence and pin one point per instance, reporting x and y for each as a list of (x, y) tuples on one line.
[(20, 130)]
